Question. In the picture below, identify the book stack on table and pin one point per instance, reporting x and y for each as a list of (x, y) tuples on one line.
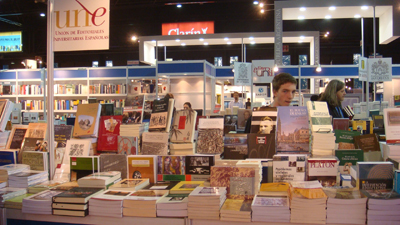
[(173, 205), (205, 202), (9, 169), (383, 206), (108, 203), (27, 178), (40, 203), (16, 202), (9, 192), (267, 208), (100, 179), (142, 203), (236, 210)]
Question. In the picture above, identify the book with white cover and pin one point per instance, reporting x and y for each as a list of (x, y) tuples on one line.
[(320, 118), (289, 167), (41, 199), (155, 143), (76, 147), (11, 192), (13, 168), (208, 191), (27, 175), (99, 179), (183, 126), (391, 119), (173, 202)]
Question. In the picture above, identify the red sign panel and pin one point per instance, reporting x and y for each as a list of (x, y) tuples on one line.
[(188, 28)]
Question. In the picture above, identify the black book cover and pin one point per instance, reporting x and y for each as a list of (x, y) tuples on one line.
[(78, 192), (199, 165), (62, 133), (366, 142), (17, 139), (107, 109), (261, 145), (6, 90), (160, 105)]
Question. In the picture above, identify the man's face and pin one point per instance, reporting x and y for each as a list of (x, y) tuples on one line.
[(285, 94), (246, 115), (236, 96)]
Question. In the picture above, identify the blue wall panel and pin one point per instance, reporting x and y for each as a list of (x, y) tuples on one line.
[(70, 74), (292, 71), (29, 74), (8, 75), (142, 72), (181, 68), (224, 72), (396, 71), (109, 73), (330, 71)]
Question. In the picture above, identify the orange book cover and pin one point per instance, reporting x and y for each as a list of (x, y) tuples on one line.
[(142, 167)]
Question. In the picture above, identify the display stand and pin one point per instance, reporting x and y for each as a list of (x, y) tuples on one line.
[(15, 216)]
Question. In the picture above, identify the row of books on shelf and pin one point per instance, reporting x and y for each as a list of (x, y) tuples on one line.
[(107, 89), (71, 89), (26, 89)]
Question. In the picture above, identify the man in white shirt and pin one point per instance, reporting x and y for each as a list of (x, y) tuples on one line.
[(236, 101)]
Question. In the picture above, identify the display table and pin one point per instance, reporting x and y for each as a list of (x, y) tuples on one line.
[(219, 222), (15, 216)]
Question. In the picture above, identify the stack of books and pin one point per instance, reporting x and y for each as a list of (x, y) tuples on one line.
[(383, 206), (186, 187), (345, 206), (47, 185), (16, 202), (9, 192), (27, 178), (133, 130), (236, 210), (74, 202), (307, 202), (130, 184), (256, 164), (9, 169), (142, 203), (205, 202), (100, 179), (173, 206), (323, 169), (182, 148), (108, 203), (40, 203), (322, 136)]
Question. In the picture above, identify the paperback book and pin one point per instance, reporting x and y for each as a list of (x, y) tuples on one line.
[(82, 166), (198, 167), (210, 139), (114, 162), (171, 168), (367, 142), (155, 143), (140, 167), (261, 146), (235, 146), (127, 145), (263, 120), (17, 136), (62, 133), (288, 168), (109, 130), (392, 122), (323, 169), (183, 126), (348, 158), (87, 120)]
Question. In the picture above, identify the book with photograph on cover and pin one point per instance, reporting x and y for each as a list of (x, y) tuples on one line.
[(155, 143), (243, 116), (199, 164), (171, 168), (141, 166), (235, 146), (210, 139), (263, 120), (288, 167), (261, 146)]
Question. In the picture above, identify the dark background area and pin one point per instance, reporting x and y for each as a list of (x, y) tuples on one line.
[(144, 18)]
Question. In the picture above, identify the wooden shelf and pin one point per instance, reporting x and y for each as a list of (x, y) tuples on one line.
[(30, 96), (71, 95)]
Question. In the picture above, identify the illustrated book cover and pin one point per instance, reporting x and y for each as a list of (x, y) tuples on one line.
[(87, 120), (289, 167), (140, 167), (210, 138), (235, 146), (127, 145), (171, 168), (109, 130), (155, 143), (183, 126), (62, 133)]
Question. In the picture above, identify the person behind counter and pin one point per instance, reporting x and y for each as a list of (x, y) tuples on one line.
[(334, 95), (236, 101)]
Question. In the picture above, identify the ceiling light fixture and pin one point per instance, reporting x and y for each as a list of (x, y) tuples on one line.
[(262, 11), (328, 17), (251, 38), (134, 38), (357, 16), (226, 39), (325, 35), (327, 32), (261, 5), (201, 39), (300, 41), (332, 8), (318, 69), (303, 9), (183, 44), (364, 7), (255, 2), (276, 69), (42, 14), (229, 42), (179, 5), (205, 43), (302, 37), (301, 17), (252, 42), (161, 45)]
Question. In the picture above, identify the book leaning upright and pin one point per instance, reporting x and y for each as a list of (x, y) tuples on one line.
[(87, 120)]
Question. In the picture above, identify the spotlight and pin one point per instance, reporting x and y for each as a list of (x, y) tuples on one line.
[(332, 8), (179, 6), (276, 69), (255, 2), (318, 68), (134, 38), (303, 9)]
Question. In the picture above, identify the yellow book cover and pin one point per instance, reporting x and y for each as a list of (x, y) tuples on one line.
[(141, 167), (278, 186), (309, 193), (187, 186), (366, 126), (36, 130), (237, 205), (87, 116)]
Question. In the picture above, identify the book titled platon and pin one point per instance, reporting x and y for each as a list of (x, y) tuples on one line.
[(87, 120), (127, 145), (171, 168), (199, 166), (155, 143), (392, 125), (375, 175), (348, 158), (237, 180), (323, 169), (108, 133), (16, 137), (82, 166), (288, 168), (36, 160), (78, 195), (114, 162), (183, 126), (235, 146), (263, 120), (143, 167), (210, 139), (367, 142), (261, 146), (292, 133), (62, 133)]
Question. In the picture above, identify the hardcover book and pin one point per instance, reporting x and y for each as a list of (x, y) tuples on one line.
[(263, 120), (367, 142), (340, 123), (199, 164), (243, 116), (155, 143), (261, 146), (82, 166), (235, 146), (127, 145), (292, 134), (142, 167), (36, 160), (348, 158), (210, 139), (183, 126), (107, 109), (114, 162), (16, 137), (76, 147), (134, 101), (237, 180), (158, 120), (36, 130), (78, 195), (132, 117), (323, 169), (62, 133), (392, 125), (171, 168), (130, 184), (363, 126), (87, 120), (288, 168), (8, 157), (345, 136), (378, 121), (100, 179), (109, 128), (375, 175)]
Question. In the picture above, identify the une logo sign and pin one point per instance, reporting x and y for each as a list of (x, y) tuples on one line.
[(74, 21)]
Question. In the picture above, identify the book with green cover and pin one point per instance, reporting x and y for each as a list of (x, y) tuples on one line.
[(348, 158), (345, 136), (83, 166), (16, 202)]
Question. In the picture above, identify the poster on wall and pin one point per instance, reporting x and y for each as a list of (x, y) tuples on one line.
[(233, 59), (356, 57), (286, 60), (262, 71), (242, 73), (217, 61), (81, 25), (380, 69), (303, 60), (362, 68)]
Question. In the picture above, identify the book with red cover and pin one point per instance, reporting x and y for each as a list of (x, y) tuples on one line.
[(108, 133), (340, 123)]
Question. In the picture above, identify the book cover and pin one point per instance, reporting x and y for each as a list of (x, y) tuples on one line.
[(36, 130), (242, 117), (384, 194), (107, 109), (378, 121), (235, 146), (62, 133), (322, 169), (317, 109), (8, 157), (345, 136), (32, 144), (342, 145), (270, 201), (58, 157), (261, 145), (109, 129), (236, 206), (375, 175), (36, 160), (131, 184), (222, 176), (82, 166), (186, 186), (100, 179), (133, 116), (363, 126), (210, 138), (292, 133), (155, 143), (340, 123), (76, 147), (288, 168), (199, 164), (367, 142), (16, 137), (183, 126), (114, 162), (171, 168), (146, 195), (142, 167), (16, 114), (263, 121), (348, 158), (127, 145), (158, 120), (134, 101), (392, 125), (77, 193), (160, 105), (87, 120)]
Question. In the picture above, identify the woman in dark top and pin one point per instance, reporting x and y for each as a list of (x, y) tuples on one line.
[(334, 95)]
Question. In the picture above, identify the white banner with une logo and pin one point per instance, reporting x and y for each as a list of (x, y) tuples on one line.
[(81, 25), (263, 71), (242, 73)]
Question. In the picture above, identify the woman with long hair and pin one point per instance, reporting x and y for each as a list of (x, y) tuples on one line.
[(334, 95)]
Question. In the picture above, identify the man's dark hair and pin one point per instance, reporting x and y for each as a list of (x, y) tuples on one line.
[(281, 79)]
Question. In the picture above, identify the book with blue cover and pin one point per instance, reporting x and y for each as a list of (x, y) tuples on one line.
[(8, 157), (375, 175)]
